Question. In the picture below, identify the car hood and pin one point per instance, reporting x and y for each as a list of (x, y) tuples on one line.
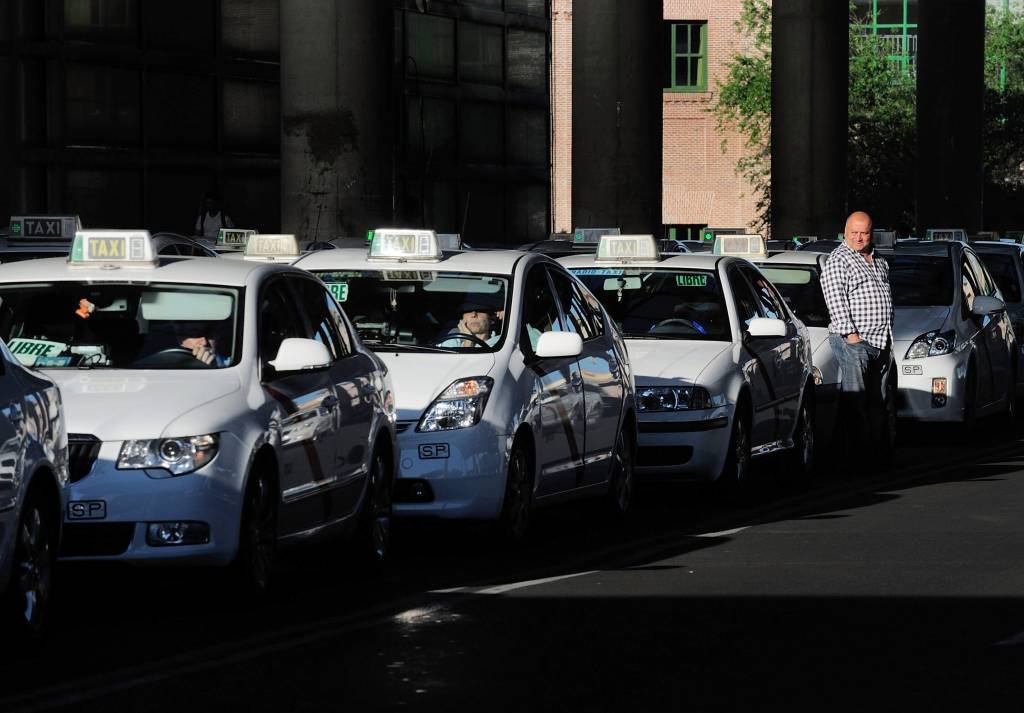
[(121, 405), (909, 323), (418, 378), (659, 360)]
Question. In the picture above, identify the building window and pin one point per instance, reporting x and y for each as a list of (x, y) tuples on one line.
[(689, 57), (684, 232)]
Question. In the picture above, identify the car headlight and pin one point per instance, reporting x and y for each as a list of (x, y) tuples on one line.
[(933, 344), (461, 405), (175, 455), (672, 398)]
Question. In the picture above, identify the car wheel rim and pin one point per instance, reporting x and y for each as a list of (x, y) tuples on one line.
[(519, 510), (380, 533), (33, 568), (261, 533)]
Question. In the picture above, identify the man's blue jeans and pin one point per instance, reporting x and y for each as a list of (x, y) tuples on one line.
[(863, 376)]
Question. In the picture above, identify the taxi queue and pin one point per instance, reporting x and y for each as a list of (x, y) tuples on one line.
[(163, 408)]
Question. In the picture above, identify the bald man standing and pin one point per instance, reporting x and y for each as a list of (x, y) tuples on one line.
[(856, 287)]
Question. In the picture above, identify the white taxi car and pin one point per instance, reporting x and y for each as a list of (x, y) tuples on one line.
[(723, 368), (953, 340), (513, 389), (33, 480), (216, 408)]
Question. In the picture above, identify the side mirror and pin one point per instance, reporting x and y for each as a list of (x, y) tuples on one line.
[(301, 355), (985, 305), (555, 345), (764, 327)]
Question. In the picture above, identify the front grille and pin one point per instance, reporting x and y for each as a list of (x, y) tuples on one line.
[(96, 539), (82, 451), (664, 455)]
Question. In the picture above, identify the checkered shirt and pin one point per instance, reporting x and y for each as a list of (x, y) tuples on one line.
[(858, 296)]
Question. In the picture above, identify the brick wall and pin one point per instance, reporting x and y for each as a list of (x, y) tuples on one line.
[(561, 116), (699, 181)]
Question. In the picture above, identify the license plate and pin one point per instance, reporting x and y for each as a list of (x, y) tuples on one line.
[(913, 370), (433, 451), (87, 510)]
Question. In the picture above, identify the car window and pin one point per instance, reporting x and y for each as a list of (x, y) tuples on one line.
[(980, 275), (921, 281), (1003, 269), (968, 287), (801, 288), (540, 313), (746, 303), (768, 300), (278, 319), (340, 326), (315, 302), (170, 249), (574, 307)]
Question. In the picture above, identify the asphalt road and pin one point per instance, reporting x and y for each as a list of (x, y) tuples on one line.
[(899, 587)]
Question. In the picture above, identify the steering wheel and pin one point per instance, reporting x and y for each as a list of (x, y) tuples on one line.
[(172, 355), (462, 335), (679, 322)]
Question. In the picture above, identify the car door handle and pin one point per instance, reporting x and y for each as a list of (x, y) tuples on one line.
[(576, 381)]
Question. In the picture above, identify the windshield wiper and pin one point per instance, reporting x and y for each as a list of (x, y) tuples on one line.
[(414, 347)]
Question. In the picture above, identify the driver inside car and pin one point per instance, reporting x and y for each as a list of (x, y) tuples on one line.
[(479, 323)]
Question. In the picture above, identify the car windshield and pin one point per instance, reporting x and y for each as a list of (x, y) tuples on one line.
[(414, 310), (1003, 268), (661, 304), (920, 280), (801, 289), (121, 325)]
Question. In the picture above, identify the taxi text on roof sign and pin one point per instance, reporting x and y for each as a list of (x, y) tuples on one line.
[(740, 245), (627, 248), (121, 248), (401, 245), (44, 227), (271, 246), (234, 236)]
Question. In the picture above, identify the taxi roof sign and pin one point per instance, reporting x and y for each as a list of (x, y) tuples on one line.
[(234, 237), (450, 241), (265, 246), (39, 228), (749, 246), (403, 245), (593, 235), (627, 248), (883, 239), (112, 248), (946, 235)]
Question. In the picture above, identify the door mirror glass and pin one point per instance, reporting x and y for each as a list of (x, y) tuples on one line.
[(297, 354), (764, 327), (556, 345), (984, 305)]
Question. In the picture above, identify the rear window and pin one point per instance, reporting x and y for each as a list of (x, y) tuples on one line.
[(801, 289)]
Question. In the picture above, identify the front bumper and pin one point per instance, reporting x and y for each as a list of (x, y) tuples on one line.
[(464, 470), (915, 377), (211, 495), (683, 445)]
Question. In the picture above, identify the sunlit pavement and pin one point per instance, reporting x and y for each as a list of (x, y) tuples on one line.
[(897, 587)]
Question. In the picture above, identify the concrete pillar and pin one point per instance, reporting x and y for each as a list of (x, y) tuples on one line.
[(561, 116), (334, 92), (616, 114), (810, 74), (950, 97)]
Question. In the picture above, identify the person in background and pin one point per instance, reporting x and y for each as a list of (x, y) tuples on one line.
[(211, 217)]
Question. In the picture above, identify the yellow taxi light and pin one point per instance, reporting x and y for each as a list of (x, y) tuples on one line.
[(268, 247), (402, 245), (121, 248), (748, 246), (627, 248)]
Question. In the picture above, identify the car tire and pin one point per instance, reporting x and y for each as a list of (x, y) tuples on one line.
[(30, 589), (621, 479), (804, 444), (257, 542), (970, 412), (887, 438), (373, 531), (517, 506), (734, 480)]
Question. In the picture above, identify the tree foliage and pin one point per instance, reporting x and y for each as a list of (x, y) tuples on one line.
[(1004, 101)]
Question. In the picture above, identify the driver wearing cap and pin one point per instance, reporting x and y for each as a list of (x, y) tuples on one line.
[(481, 314), (197, 338)]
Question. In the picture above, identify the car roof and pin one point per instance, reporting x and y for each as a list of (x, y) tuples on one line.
[(793, 257), (685, 261), (937, 249), (499, 262), (188, 270), (996, 246)]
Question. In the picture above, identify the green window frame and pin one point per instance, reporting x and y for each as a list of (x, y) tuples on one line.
[(689, 58)]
